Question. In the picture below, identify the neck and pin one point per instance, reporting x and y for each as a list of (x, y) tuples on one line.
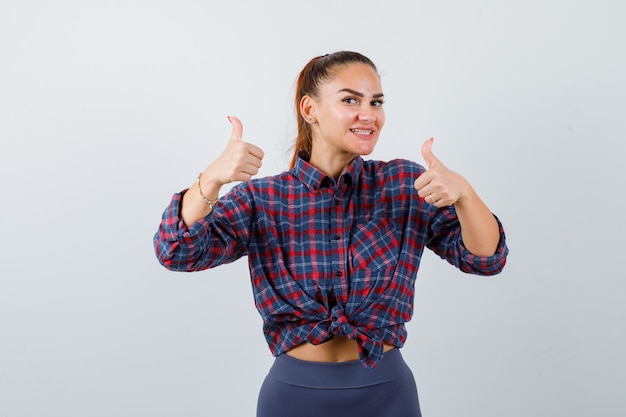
[(331, 163)]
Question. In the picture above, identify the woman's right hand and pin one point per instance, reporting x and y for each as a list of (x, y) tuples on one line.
[(239, 161)]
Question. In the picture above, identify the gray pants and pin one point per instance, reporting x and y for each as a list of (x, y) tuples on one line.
[(296, 388)]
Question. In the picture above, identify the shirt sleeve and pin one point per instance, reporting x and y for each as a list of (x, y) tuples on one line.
[(214, 240), (445, 240)]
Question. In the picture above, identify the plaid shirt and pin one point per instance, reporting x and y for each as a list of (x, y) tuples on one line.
[(326, 257)]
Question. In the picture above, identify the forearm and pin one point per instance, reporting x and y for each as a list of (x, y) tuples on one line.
[(207, 243), (479, 228), (189, 240), (178, 247), (193, 205)]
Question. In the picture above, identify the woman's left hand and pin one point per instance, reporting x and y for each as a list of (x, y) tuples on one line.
[(443, 187), (439, 185)]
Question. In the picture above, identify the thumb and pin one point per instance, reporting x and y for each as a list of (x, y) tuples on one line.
[(237, 132), (427, 153)]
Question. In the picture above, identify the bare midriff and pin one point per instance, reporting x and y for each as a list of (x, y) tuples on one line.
[(338, 349)]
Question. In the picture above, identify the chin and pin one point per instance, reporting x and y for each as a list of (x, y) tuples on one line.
[(366, 150)]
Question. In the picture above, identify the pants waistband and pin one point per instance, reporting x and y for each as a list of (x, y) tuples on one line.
[(340, 375)]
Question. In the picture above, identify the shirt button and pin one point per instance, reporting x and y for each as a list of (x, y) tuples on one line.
[(336, 237), (339, 273), (336, 202)]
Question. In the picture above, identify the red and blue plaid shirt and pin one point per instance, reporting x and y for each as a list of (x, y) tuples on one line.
[(326, 257)]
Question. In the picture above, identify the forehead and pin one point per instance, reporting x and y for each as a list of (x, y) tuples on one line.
[(357, 76)]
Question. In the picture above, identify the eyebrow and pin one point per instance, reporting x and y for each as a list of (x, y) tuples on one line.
[(358, 94)]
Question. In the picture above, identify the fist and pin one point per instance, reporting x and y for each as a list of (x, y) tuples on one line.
[(239, 161), (439, 185)]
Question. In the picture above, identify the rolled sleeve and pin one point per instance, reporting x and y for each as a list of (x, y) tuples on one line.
[(178, 247), (485, 265), (446, 241)]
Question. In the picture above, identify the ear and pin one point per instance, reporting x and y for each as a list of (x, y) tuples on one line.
[(308, 107)]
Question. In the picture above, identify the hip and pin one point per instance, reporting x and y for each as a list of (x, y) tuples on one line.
[(294, 387)]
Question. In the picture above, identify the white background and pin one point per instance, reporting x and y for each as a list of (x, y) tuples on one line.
[(107, 108)]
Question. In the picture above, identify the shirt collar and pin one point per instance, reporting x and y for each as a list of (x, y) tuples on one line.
[(315, 179)]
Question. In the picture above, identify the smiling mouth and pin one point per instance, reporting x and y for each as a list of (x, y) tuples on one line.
[(362, 131)]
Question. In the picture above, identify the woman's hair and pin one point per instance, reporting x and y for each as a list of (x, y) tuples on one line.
[(314, 73)]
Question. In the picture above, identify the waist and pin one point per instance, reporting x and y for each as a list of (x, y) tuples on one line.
[(350, 374), (336, 350)]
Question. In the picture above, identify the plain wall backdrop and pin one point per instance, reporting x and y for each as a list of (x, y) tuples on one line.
[(107, 108)]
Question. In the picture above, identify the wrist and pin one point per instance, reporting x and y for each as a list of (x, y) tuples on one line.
[(467, 194), (207, 198)]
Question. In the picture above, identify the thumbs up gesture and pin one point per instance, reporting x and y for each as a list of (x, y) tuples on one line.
[(239, 161), (439, 185)]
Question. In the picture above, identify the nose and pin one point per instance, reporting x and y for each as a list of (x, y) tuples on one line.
[(366, 115)]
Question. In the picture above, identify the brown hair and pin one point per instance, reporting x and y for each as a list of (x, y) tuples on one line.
[(314, 73)]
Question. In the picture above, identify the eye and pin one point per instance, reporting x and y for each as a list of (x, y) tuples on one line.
[(378, 103), (350, 100)]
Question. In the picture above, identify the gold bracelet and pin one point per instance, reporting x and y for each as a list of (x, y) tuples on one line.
[(211, 203)]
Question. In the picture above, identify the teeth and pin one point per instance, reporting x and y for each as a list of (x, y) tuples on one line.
[(362, 132)]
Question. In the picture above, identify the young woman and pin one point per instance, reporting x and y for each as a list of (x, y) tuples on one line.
[(334, 245)]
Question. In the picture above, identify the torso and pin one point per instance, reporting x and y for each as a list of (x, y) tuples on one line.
[(338, 349)]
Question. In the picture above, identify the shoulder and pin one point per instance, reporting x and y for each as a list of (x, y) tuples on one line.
[(263, 185), (270, 181), (395, 168)]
